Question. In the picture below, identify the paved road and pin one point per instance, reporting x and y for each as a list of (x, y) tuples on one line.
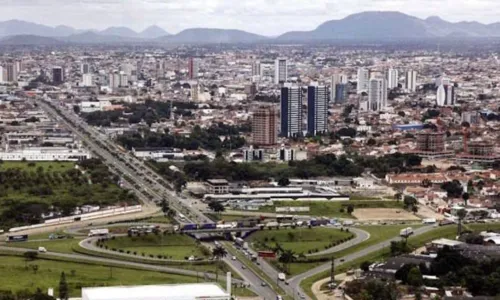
[(295, 281), (360, 237)]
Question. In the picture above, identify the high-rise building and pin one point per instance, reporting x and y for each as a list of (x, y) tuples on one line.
[(442, 80), (87, 80), (10, 72), (471, 117), (377, 94), (430, 141), (341, 90), (264, 126), (57, 75), (85, 68), (291, 111), (193, 68), (2, 80), (445, 95), (123, 79), (266, 71), (363, 80), (392, 78), (195, 92), (337, 78), (317, 109), (256, 68), (280, 71), (411, 81), (114, 80), (19, 66)]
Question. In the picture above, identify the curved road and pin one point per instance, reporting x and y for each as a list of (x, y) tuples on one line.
[(360, 236), (296, 280)]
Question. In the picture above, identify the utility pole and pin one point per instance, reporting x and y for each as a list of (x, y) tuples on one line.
[(332, 273)]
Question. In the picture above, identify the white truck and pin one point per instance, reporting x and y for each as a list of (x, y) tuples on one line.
[(282, 276), (429, 221), (42, 249), (98, 232), (406, 232)]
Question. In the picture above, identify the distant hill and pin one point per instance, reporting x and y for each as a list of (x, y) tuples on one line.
[(391, 25), (90, 37), (213, 36), (17, 27), (19, 40), (119, 31), (153, 32)]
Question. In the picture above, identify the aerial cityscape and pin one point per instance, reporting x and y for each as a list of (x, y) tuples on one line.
[(357, 158)]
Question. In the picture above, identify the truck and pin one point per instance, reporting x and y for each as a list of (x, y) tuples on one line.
[(17, 238), (348, 223), (245, 246), (98, 232), (42, 249), (268, 254), (239, 241), (282, 276), (429, 221), (406, 232)]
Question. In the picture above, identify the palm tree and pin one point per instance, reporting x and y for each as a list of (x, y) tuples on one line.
[(461, 215), (218, 253), (277, 248), (286, 258), (465, 197)]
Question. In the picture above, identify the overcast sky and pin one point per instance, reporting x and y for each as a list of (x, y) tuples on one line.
[(268, 17)]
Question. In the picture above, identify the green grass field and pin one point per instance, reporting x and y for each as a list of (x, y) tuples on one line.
[(449, 232), (33, 166), (332, 208), (175, 246), (299, 240), (62, 246)]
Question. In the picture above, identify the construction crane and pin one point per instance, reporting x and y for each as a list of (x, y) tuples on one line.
[(465, 132)]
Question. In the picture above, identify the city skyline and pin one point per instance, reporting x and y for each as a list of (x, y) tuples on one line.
[(175, 16)]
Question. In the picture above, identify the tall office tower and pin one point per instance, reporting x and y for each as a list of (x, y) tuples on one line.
[(291, 111), (114, 80), (363, 80), (336, 79), (57, 75), (377, 94), (445, 95), (280, 70), (19, 66), (317, 109), (87, 80), (193, 68), (256, 68), (2, 77), (85, 68), (411, 81), (341, 93), (264, 126), (392, 78), (11, 73)]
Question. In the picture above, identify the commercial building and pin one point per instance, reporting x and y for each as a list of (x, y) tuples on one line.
[(291, 111), (157, 153), (195, 291), (2, 77), (280, 70), (217, 186), (411, 81), (256, 68), (377, 94), (317, 109), (264, 126), (45, 154), (85, 68), (87, 80), (445, 95), (363, 80), (193, 68), (267, 71), (337, 78), (10, 72), (57, 75), (392, 78), (471, 117)]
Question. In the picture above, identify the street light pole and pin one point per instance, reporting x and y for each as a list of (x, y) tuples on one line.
[(332, 273)]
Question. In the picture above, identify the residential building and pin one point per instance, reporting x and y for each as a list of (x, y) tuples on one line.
[(317, 109), (471, 117), (193, 68), (337, 78), (280, 71), (291, 111), (264, 126), (377, 94), (87, 80), (256, 68), (341, 90), (411, 81), (429, 141), (85, 68), (445, 95), (57, 75), (392, 78), (10, 72), (2, 77), (363, 80)]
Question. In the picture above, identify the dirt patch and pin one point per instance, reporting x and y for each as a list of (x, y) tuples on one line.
[(383, 214)]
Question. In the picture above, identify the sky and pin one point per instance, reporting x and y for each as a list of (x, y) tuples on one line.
[(267, 17)]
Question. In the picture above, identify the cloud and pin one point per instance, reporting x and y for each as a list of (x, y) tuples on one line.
[(269, 17)]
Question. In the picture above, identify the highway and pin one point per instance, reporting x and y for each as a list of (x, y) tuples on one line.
[(121, 168)]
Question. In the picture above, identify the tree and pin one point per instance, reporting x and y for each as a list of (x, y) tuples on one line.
[(414, 209), (415, 278), (76, 109), (165, 206), (365, 266), (286, 258), (284, 181), (41, 296), (350, 208), (63, 288), (465, 197), (461, 213), (218, 253), (216, 206), (426, 183), (371, 142)]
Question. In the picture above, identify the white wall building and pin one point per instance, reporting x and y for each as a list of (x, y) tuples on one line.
[(87, 80), (45, 154), (411, 81), (291, 111), (363, 80), (392, 78), (337, 78), (377, 94), (445, 95)]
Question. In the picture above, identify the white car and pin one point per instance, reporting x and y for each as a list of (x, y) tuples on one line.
[(233, 258)]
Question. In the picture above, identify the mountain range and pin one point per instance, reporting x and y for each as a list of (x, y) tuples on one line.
[(373, 25)]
